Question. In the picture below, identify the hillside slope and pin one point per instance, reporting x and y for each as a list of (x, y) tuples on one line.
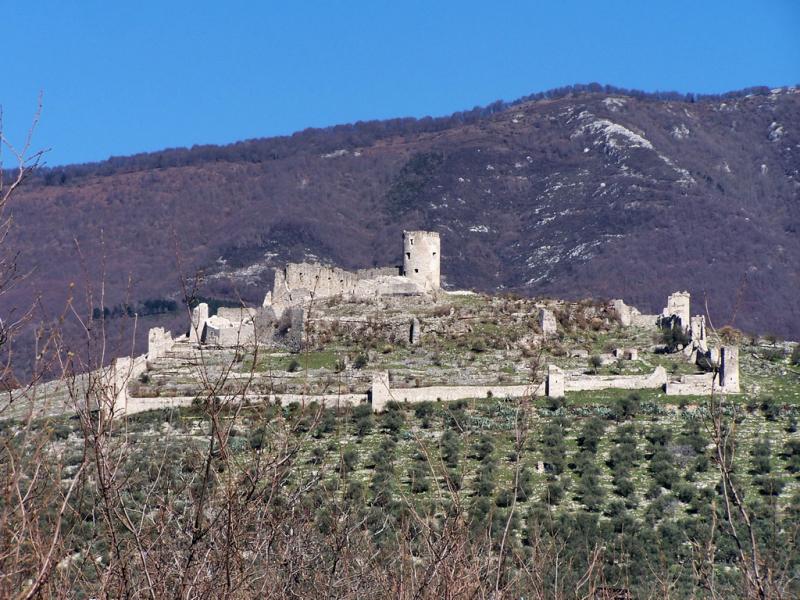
[(589, 194)]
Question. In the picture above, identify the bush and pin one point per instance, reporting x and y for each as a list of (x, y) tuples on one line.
[(554, 403), (553, 494), (327, 423), (773, 354), (294, 366), (770, 408), (791, 451), (478, 346), (418, 475), (627, 407), (674, 336), (485, 480), (361, 361), (769, 485), (589, 489), (362, 418), (349, 460), (505, 498), (524, 485), (451, 448), (761, 457), (662, 470), (730, 335), (393, 420), (483, 448), (624, 487), (591, 434)]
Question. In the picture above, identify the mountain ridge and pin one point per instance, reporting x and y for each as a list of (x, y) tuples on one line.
[(593, 193)]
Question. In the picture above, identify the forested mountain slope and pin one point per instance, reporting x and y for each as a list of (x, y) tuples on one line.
[(588, 192)]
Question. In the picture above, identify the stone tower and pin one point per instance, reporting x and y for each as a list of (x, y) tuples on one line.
[(729, 369), (421, 257), (678, 304)]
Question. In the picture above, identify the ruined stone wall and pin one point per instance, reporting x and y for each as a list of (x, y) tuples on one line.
[(578, 383), (122, 371), (448, 393), (624, 312), (376, 272), (554, 385), (237, 314), (222, 332), (159, 342), (547, 322), (691, 385), (198, 321), (729, 369), (298, 282), (644, 321), (137, 405), (421, 258)]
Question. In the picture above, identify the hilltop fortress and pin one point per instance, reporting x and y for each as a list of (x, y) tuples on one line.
[(419, 275), (313, 305)]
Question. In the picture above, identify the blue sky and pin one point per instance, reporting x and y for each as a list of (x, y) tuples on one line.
[(126, 77)]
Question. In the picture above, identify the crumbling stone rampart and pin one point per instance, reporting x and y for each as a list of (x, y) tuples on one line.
[(547, 322), (729, 369), (724, 381), (554, 385), (220, 331), (577, 383), (300, 282), (159, 342), (198, 322), (117, 377)]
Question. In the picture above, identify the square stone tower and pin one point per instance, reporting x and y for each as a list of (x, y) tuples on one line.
[(729, 369), (678, 304), (421, 258)]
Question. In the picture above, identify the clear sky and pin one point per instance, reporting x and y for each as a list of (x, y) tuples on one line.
[(126, 77)]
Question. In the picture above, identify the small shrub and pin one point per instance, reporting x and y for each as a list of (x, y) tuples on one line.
[(773, 354), (393, 420), (361, 361), (362, 418), (674, 337), (730, 335), (627, 407), (770, 408), (349, 460), (553, 494)]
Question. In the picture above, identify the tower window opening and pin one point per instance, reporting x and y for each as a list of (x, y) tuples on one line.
[(408, 255), (416, 270)]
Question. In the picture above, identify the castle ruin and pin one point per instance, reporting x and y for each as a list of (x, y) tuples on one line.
[(280, 323)]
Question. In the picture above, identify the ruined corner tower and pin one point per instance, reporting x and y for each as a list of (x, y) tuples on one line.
[(421, 258)]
